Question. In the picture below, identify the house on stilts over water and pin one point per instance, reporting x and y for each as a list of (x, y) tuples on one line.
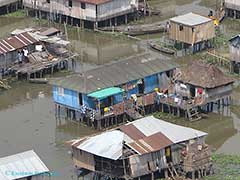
[(23, 166), (109, 95), (33, 52), (197, 88), (234, 46), (9, 47), (232, 8), (192, 32), (8, 6), (84, 13), (148, 147)]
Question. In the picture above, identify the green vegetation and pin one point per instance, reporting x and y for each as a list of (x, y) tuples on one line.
[(19, 13), (227, 167)]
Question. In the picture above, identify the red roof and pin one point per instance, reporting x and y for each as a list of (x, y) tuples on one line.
[(132, 132), (145, 144), (16, 42), (94, 1)]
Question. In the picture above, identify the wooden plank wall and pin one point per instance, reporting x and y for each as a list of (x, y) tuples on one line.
[(201, 32)]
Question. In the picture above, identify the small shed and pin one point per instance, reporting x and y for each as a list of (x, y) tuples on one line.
[(234, 47), (141, 148), (10, 46), (23, 166), (204, 82), (84, 12), (192, 30), (232, 8)]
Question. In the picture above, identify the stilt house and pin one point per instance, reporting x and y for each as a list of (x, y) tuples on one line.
[(93, 12), (147, 147), (192, 31), (232, 8), (9, 47), (234, 46), (8, 6), (23, 166), (204, 83), (106, 94)]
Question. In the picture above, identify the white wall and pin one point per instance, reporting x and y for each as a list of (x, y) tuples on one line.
[(61, 7), (115, 7)]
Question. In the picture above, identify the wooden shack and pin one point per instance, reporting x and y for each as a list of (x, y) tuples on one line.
[(192, 31), (23, 166), (147, 147), (232, 8), (105, 95), (234, 47), (8, 6), (10, 46), (205, 83), (79, 12)]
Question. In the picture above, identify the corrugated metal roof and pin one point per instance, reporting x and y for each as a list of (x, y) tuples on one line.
[(132, 132), (115, 74), (143, 136), (16, 42), (150, 125), (152, 143), (204, 75), (191, 19), (108, 144), (101, 94), (21, 165)]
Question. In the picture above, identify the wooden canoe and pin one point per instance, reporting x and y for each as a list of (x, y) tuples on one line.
[(136, 30), (161, 48)]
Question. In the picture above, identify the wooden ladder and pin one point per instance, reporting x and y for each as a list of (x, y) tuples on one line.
[(193, 114)]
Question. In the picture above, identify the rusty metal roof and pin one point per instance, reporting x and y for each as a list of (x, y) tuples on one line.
[(151, 143), (132, 132), (16, 42), (115, 74), (143, 136)]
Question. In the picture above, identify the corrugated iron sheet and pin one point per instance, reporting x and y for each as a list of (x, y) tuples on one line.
[(16, 42), (150, 125), (22, 165), (132, 132), (152, 143), (108, 145), (191, 19), (145, 135)]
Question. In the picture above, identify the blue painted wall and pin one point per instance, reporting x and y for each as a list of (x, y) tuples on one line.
[(118, 98), (150, 83), (70, 98), (89, 102), (132, 91)]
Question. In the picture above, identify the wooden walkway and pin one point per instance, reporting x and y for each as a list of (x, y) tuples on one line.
[(189, 108), (38, 66)]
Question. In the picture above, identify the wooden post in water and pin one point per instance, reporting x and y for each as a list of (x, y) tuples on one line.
[(65, 29)]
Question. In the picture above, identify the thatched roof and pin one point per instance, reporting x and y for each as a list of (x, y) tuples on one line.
[(203, 75)]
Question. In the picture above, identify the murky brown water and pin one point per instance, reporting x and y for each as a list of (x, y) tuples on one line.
[(27, 112)]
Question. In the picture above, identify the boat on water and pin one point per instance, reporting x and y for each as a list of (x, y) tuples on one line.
[(160, 48), (136, 30)]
